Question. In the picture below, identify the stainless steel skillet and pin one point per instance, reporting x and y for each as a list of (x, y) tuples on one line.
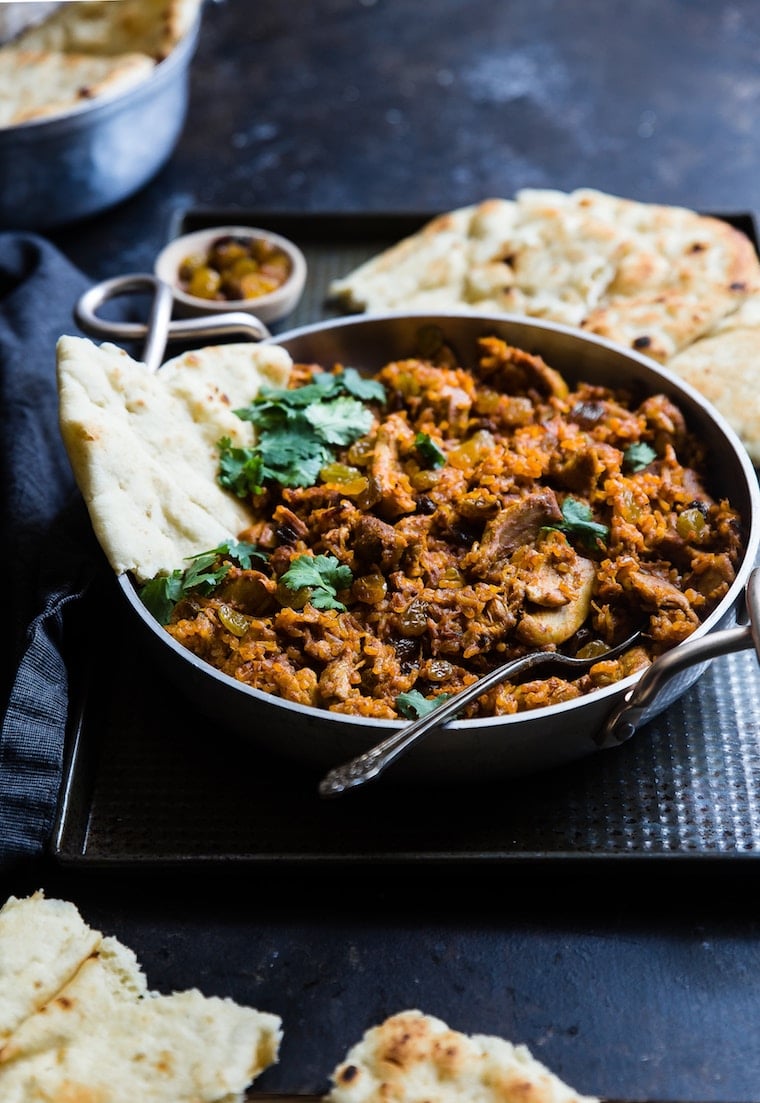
[(492, 746)]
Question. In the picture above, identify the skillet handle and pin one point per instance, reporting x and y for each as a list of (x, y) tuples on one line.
[(160, 327), (636, 706)]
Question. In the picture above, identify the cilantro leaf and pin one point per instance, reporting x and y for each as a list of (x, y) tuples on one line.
[(367, 390), (341, 421), (200, 572), (243, 552), (638, 456), (578, 520), (429, 450), (322, 575), (413, 705), (292, 458), (240, 469), (284, 400), (324, 387), (239, 550), (161, 594), (270, 415), (298, 429)]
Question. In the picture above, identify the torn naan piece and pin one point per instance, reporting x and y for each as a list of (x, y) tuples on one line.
[(111, 27), (35, 84), (725, 368), (143, 447), (644, 275), (103, 1039), (416, 1058), (43, 943), (103, 1036)]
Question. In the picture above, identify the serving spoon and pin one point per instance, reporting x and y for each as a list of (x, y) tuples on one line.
[(620, 725), (369, 765)]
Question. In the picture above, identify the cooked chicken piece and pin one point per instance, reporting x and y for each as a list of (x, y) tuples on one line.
[(339, 678), (376, 542), (519, 523), (392, 483)]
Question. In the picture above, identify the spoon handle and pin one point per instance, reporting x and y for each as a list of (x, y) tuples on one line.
[(372, 763)]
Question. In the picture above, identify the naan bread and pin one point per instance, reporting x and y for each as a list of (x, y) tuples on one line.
[(416, 1058), (38, 83), (650, 277), (15, 18), (434, 262), (42, 945), (156, 1049), (72, 53), (143, 447), (644, 275), (111, 27), (102, 1037), (724, 368), (746, 317)]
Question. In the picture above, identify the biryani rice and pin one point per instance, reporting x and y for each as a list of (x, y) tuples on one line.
[(459, 567)]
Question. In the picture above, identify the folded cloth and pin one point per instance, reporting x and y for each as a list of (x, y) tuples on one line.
[(50, 555)]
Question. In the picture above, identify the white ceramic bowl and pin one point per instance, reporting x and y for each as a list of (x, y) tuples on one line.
[(271, 307)]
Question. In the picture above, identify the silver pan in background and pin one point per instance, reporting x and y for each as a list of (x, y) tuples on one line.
[(61, 168), (490, 747)]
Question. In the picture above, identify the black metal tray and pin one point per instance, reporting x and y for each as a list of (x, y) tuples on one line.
[(150, 784)]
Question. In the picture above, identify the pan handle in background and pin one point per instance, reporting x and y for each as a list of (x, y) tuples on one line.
[(160, 327), (637, 704)]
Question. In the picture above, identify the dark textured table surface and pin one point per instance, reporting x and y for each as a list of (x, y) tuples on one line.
[(635, 986)]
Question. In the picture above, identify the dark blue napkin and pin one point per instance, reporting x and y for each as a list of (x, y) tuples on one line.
[(49, 554)]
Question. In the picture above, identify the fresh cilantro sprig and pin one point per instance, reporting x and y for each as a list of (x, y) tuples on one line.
[(638, 456), (161, 594), (298, 430), (322, 575), (205, 572), (287, 455), (429, 451), (414, 706), (240, 469), (578, 520)]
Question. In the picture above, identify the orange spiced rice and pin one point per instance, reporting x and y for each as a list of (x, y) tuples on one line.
[(481, 514)]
